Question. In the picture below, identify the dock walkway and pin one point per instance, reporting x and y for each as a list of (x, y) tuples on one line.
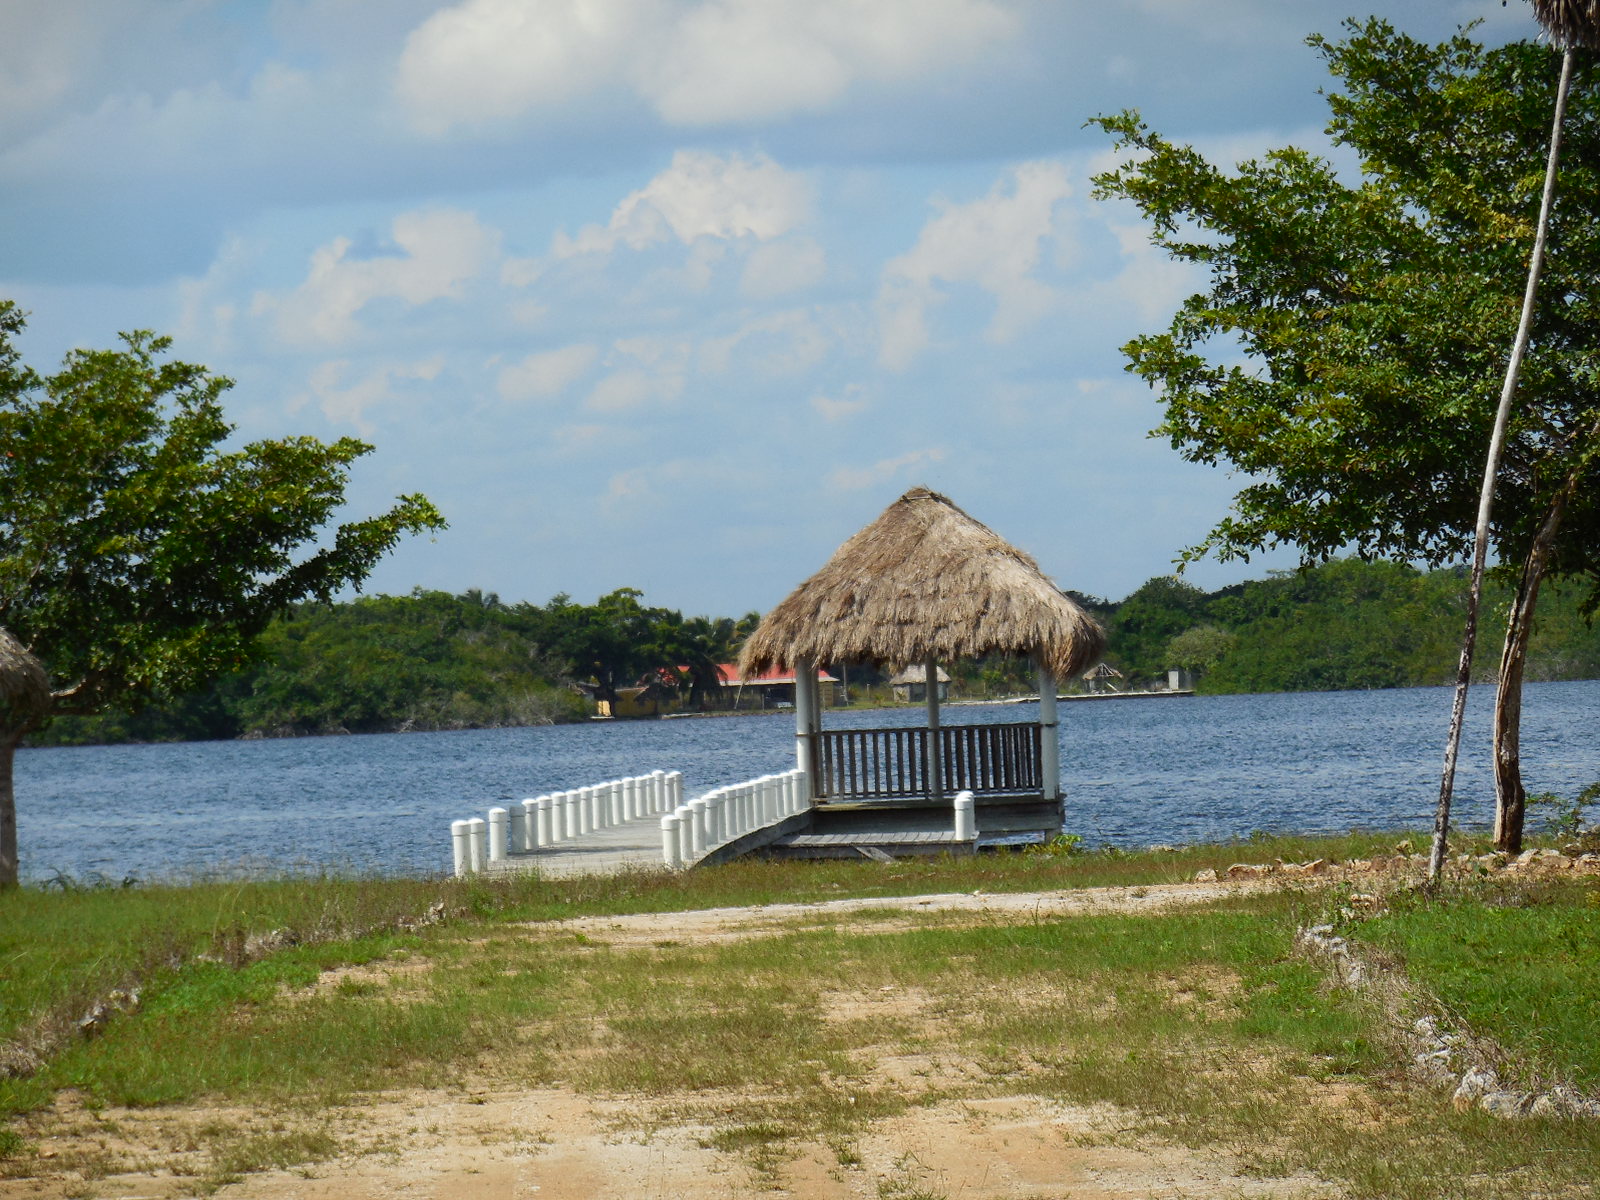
[(634, 846)]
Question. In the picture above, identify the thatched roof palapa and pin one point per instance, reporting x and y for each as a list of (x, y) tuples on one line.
[(1570, 22), (926, 580)]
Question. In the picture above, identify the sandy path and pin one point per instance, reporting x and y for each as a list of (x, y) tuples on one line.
[(554, 1144)]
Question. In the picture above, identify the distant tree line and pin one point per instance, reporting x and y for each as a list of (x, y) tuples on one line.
[(431, 660)]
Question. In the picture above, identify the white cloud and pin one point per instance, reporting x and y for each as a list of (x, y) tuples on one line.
[(540, 376), (774, 344), (700, 195), (780, 267), (442, 249), (349, 404), (993, 243), (836, 408), (855, 479), (714, 62)]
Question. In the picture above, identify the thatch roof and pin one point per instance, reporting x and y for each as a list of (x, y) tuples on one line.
[(24, 686), (926, 580), (1570, 22)]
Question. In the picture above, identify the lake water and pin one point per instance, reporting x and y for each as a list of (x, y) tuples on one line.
[(1133, 771)]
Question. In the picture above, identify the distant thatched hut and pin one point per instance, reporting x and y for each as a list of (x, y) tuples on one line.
[(926, 582), (912, 684)]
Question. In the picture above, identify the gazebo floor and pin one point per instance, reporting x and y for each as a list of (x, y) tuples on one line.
[(905, 826)]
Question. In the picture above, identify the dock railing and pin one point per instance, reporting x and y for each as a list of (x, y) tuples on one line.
[(692, 830), (547, 821), (892, 763)]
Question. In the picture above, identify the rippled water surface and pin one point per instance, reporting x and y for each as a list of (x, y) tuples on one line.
[(1134, 772)]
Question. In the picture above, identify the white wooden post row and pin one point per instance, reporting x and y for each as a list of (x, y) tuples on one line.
[(542, 822)]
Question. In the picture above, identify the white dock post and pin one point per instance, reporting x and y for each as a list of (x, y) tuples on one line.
[(514, 830), (477, 836), (499, 827), (685, 834), (769, 799), (1049, 738), (657, 795), (541, 829), (587, 813), (966, 818), (460, 849), (627, 799), (670, 852), (530, 825), (697, 827), (716, 820), (569, 815), (674, 789)]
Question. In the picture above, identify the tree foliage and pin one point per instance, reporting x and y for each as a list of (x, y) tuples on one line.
[(140, 555), (1348, 352)]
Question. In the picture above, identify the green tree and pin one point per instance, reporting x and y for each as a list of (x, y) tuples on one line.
[(1347, 353), (139, 557), (1201, 648)]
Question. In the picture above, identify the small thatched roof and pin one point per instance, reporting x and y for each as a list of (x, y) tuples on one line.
[(24, 686), (1570, 22), (926, 580)]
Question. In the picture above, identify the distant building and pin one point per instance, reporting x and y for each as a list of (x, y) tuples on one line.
[(772, 688), (912, 684)]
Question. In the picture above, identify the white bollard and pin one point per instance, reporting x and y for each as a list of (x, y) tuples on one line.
[(697, 827), (569, 815), (499, 828), (530, 825), (627, 794), (966, 818), (477, 837), (721, 828), (655, 794), (541, 830), (586, 810), (685, 834), (671, 850), (674, 790), (460, 850)]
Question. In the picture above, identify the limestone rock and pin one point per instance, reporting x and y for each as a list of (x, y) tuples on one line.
[(1505, 1105), (1479, 1081), (1208, 875)]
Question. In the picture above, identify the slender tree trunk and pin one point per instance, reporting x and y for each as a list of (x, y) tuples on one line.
[(1441, 819), (9, 741)]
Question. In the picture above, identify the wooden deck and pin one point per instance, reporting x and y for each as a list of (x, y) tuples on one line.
[(635, 846)]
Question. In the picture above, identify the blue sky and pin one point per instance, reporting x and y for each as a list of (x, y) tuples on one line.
[(669, 294)]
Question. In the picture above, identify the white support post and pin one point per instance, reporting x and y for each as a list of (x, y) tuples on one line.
[(542, 833), (569, 815), (966, 818), (674, 789), (516, 833), (697, 827), (594, 816), (627, 798), (499, 828), (477, 838), (671, 854), (685, 834), (1049, 737), (530, 824), (460, 847), (657, 794), (805, 721), (935, 758)]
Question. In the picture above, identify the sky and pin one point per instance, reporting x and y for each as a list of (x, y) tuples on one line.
[(665, 294)]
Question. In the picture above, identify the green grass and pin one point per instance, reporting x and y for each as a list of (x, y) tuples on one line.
[(1513, 960), (1202, 1024)]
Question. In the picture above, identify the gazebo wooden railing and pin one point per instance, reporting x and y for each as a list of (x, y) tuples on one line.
[(884, 764)]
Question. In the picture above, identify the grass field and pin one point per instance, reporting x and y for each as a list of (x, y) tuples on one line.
[(1204, 1024)]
